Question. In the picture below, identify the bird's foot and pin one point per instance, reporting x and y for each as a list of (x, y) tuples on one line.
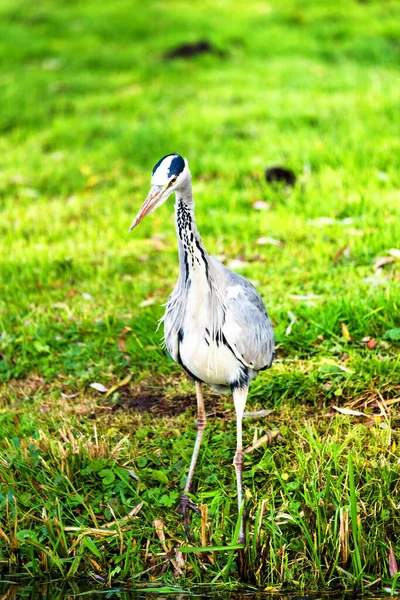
[(183, 507)]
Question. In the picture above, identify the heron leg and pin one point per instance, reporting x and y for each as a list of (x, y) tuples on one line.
[(239, 399), (185, 503)]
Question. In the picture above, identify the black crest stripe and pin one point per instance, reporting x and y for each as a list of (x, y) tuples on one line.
[(176, 167)]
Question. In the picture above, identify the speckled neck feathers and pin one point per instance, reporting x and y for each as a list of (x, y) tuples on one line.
[(193, 257)]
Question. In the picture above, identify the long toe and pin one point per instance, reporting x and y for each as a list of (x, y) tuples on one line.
[(183, 508), (186, 504)]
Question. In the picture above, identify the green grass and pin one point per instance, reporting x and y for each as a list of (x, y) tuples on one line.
[(89, 104)]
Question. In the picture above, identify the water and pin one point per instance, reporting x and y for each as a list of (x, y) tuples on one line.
[(88, 590)]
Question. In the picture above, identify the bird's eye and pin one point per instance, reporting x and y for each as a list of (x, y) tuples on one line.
[(173, 180)]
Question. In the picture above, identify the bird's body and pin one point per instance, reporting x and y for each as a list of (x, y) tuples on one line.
[(215, 323)]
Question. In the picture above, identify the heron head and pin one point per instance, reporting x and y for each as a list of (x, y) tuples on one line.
[(169, 174)]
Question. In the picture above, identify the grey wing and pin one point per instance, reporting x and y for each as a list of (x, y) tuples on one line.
[(247, 327), (172, 323)]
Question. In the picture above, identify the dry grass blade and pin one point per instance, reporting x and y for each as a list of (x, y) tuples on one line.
[(135, 510), (3, 535), (344, 534), (160, 531), (120, 384), (392, 401), (265, 439), (204, 522)]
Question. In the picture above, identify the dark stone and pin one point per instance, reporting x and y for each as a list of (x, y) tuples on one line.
[(278, 174), (190, 50)]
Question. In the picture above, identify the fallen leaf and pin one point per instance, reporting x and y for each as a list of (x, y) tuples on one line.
[(147, 302), (366, 339), (159, 527), (372, 344), (133, 474), (255, 414), (345, 332), (179, 559), (69, 395), (393, 568), (237, 264), (136, 509), (395, 252), (99, 387), (95, 563), (349, 411), (383, 260), (260, 205), (262, 241), (121, 340)]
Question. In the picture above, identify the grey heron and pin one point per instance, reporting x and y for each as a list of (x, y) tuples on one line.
[(215, 324)]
